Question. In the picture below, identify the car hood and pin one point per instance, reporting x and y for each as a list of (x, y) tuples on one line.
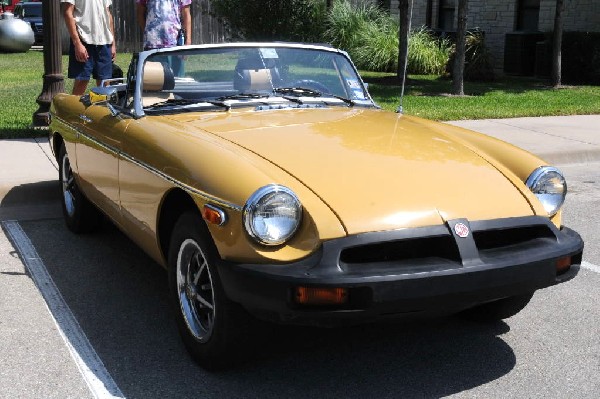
[(376, 170)]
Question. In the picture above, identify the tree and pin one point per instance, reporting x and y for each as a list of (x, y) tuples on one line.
[(405, 10), (459, 58), (557, 44), (291, 20)]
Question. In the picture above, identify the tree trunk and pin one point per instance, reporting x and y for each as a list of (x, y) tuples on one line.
[(329, 4), (557, 44), (404, 7), (458, 70)]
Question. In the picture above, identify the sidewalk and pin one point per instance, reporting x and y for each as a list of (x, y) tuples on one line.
[(556, 139), (29, 186)]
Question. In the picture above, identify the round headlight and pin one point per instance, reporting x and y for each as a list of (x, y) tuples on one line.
[(272, 215), (549, 186)]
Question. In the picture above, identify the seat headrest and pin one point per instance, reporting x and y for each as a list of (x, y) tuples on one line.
[(253, 74), (158, 76)]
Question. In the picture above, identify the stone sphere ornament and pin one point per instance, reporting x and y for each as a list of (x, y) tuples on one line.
[(16, 36)]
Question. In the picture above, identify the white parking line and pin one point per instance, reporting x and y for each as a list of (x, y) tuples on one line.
[(97, 378), (590, 266)]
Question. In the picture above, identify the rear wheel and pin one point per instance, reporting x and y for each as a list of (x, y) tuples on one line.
[(211, 326), (81, 216), (498, 310)]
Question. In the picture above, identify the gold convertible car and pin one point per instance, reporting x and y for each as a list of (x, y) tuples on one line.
[(268, 183)]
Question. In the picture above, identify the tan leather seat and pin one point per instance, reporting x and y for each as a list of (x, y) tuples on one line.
[(251, 74), (157, 77)]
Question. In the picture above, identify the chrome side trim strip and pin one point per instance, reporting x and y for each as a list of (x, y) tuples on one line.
[(186, 187), (164, 176)]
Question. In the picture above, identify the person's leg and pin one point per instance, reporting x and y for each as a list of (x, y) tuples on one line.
[(79, 87)]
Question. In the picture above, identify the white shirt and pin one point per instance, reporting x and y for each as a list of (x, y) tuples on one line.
[(92, 20)]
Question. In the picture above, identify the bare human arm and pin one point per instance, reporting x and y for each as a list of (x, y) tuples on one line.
[(81, 53), (113, 50), (186, 22), (141, 15)]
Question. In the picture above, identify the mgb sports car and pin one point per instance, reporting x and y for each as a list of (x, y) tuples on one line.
[(268, 183)]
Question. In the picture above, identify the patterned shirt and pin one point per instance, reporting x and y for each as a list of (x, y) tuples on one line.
[(163, 21)]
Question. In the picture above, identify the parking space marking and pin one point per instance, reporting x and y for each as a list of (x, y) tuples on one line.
[(590, 266), (97, 378)]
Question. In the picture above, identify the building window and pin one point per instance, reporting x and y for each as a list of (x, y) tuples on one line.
[(528, 15), (447, 15)]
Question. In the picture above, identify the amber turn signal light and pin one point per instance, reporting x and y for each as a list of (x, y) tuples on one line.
[(563, 264), (321, 296), (213, 215)]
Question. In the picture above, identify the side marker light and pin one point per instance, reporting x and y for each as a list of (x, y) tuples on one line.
[(320, 296), (214, 215), (563, 264)]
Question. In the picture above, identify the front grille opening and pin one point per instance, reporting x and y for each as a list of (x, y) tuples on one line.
[(442, 247), (502, 238)]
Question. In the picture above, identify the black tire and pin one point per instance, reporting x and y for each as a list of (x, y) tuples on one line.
[(497, 310), (211, 326), (81, 216)]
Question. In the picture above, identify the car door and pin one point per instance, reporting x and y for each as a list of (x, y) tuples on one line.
[(98, 152), (143, 167)]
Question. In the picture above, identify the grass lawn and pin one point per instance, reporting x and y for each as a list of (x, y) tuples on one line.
[(426, 96), (21, 84), (511, 97)]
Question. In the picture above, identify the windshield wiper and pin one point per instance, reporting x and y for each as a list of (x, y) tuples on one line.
[(297, 91), (183, 101), (303, 91), (344, 99), (243, 96)]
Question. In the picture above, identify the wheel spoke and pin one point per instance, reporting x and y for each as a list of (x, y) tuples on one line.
[(70, 182), (203, 302), (200, 271), (196, 294)]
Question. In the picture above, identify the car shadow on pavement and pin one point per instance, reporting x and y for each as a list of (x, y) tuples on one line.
[(31, 194), (119, 297), (39, 200)]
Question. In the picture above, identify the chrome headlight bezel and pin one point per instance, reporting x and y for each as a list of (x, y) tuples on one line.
[(289, 205), (538, 182)]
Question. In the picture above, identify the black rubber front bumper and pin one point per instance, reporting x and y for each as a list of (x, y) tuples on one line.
[(429, 270)]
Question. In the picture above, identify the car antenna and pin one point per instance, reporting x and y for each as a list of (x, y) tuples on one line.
[(400, 109)]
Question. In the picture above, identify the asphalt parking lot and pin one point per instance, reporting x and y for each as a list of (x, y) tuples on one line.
[(87, 316)]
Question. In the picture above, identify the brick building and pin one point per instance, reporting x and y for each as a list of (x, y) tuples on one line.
[(512, 28)]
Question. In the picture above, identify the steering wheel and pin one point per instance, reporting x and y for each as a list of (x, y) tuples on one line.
[(312, 84)]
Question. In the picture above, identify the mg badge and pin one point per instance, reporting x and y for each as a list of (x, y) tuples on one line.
[(461, 230)]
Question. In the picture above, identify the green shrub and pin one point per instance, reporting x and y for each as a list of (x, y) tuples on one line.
[(478, 64), (427, 54), (377, 46), (370, 35), (346, 22), (267, 20)]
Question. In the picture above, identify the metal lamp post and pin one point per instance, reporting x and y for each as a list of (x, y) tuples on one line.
[(53, 79)]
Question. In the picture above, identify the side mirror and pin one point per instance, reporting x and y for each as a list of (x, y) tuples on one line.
[(105, 95), (102, 94)]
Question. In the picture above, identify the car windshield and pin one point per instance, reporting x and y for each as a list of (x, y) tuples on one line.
[(32, 10), (227, 77)]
